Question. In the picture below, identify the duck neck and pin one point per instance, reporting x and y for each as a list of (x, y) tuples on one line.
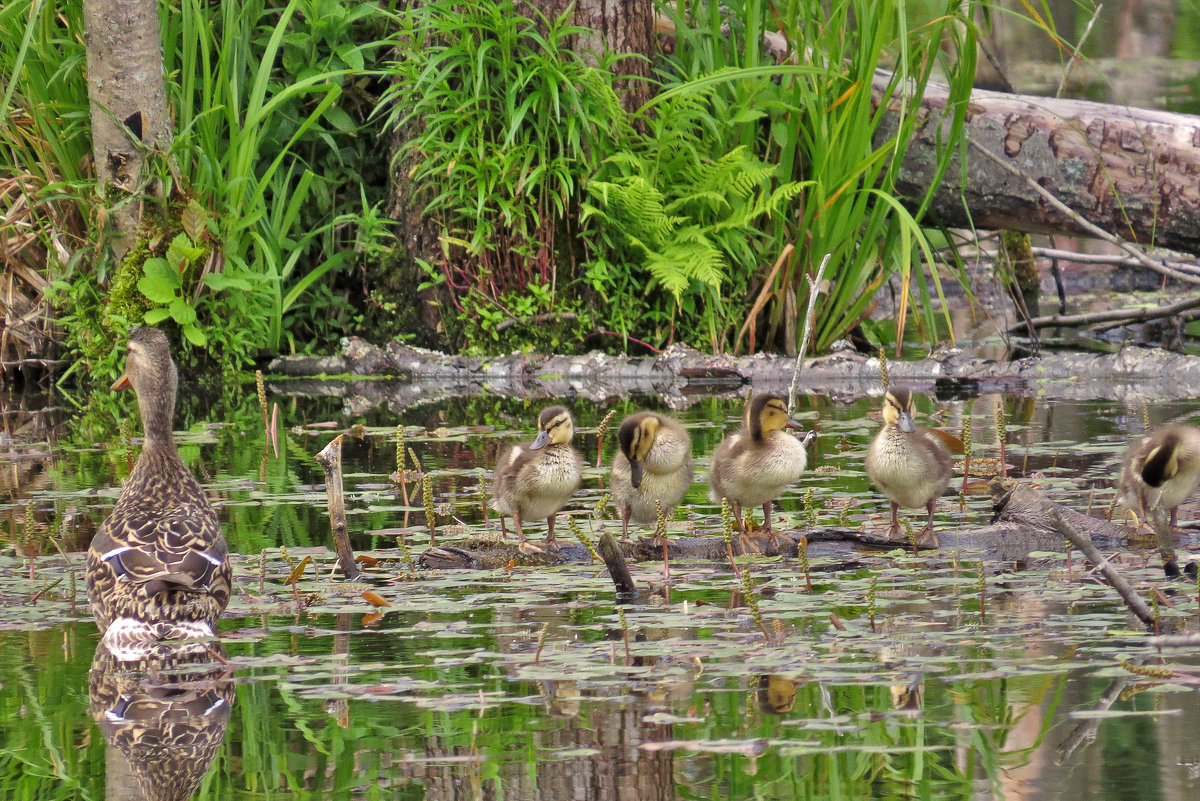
[(157, 411)]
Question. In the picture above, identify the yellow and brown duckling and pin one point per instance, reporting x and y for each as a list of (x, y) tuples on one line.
[(1159, 471), (158, 568), (534, 481), (652, 466), (753, 466), (908, 464)]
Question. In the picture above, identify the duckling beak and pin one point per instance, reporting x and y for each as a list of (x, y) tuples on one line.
[(905, 423), (635, 473), (122, 383), (793, 424), (541, 441)]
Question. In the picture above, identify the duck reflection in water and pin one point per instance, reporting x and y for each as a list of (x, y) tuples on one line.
[(163, 716)]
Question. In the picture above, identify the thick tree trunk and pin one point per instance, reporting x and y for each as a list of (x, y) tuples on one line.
[(622, 26), (1133, 172), (127, 92)]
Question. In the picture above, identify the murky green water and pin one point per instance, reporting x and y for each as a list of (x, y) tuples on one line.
[(524, 683)]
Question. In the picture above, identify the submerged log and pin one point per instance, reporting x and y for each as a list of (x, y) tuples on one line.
[(1026, 522), (681, 376)]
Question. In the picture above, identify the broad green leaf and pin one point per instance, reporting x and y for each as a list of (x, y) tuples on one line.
[(195, 336), (160, 281), (183, 312), (156, 316)]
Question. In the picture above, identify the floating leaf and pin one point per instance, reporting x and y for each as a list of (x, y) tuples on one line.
[(375, 599)]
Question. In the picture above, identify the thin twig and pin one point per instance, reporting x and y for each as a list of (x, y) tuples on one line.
[(1066, 76), (1114, 316), (1092, 229), (814, 289)]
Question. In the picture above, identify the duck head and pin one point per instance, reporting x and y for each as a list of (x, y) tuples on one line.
[(636, 437), (555, 427)]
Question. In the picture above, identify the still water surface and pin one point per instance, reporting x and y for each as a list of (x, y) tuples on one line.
[(527, 683)]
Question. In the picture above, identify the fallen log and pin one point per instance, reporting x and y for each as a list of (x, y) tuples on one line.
[(1025, 522), (1130, 171)]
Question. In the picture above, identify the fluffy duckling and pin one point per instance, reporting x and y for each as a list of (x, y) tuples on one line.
[(534, 481), (752, 466), (158, 568), (1159, 471), (653, 463), (908, 464)]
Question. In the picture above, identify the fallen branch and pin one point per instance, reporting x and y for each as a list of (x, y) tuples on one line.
[(1113, 316), (1135, 602)]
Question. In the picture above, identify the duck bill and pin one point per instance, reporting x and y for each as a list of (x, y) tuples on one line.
[(122, 383), (635, 473), (541, 441), (905, 423), (795, 425)]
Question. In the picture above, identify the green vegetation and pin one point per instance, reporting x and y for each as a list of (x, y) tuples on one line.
[(265, 183), (680, 208), (562, 216)]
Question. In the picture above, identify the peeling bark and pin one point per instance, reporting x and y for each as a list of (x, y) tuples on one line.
[(1133, 172), (128, 96)]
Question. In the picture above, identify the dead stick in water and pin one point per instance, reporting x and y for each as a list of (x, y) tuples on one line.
[(330, 459), (617, 569), (1135, 602)]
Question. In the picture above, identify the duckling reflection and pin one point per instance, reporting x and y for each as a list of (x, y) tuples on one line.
[(776, 694), (163, 717)]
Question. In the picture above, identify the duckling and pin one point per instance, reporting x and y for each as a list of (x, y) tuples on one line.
[(158, 568), (1159, 471), (752, 466), (908, 464), (534, 481), (653, 463)]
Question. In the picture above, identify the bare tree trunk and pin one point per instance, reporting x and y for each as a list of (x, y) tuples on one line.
[(127, 93), (623, 26)]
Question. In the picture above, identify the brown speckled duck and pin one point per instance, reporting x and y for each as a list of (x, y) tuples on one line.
[(752, 466), (1161, 469), (165, 714), (653, 463), (158, 568), (534, 481), (910, 465)]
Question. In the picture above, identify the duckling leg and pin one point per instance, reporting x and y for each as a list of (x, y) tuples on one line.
[(517, 524), (894, 531), (503, 528), (625, 512), (775, 539), (1166, 540), (551, 543), (927, 536)]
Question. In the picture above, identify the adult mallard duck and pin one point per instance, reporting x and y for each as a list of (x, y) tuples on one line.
[(534, 481), (910, 465), (1159, 471), (158, 568), (752, 466), (653, 464)]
